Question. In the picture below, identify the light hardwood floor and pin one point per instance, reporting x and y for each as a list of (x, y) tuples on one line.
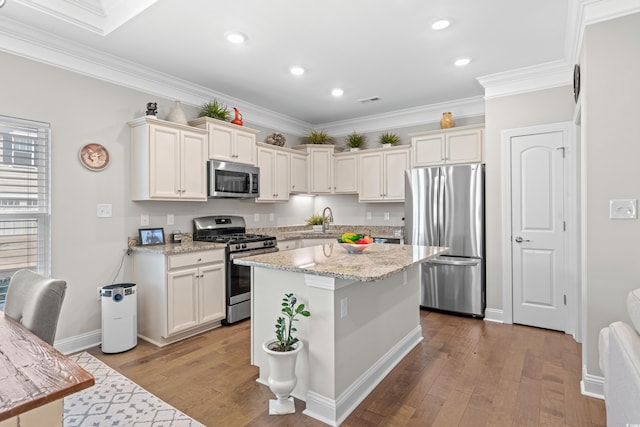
[(466, 372)]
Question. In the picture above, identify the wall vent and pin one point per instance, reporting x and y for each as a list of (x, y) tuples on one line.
[(370, 99)]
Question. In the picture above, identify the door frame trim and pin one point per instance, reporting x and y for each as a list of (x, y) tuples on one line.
[(571, 241)]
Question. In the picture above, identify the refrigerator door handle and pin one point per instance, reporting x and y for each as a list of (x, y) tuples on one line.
[(453, 262)]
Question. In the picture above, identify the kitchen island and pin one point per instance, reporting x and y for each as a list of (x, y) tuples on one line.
[(364, 317)]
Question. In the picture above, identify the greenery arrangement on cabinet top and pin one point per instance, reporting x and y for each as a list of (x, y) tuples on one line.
[(389, 138), (318, 137), (284, 325), (355, 140), (215, 110)]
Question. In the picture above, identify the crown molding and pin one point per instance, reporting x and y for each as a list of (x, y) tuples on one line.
[(468, 107), (558, 73), (527, 79), (98, 16), (587, 12)]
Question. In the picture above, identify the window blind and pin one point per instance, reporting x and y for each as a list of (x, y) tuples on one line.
[(24, 197)]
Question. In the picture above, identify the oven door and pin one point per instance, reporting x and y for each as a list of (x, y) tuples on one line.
[(239, 276)]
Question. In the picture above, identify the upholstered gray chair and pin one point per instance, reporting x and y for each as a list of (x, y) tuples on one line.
[(35, 302)]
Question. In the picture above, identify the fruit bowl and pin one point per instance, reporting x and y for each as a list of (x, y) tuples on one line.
[(355, 248)]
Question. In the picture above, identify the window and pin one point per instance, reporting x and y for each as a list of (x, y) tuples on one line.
[(25, 209)]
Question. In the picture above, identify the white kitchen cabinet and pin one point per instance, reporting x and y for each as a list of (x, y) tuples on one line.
[(274, 164), (299, 178), (168, 161), (382, 174), (227, 141), (179, 295), (320, 163), (456, 146), (345, 173)]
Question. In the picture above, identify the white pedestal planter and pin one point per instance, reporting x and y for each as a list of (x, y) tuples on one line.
[(282, 377)]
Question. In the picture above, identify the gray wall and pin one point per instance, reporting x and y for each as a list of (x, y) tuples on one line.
[(611, 129), (510, 112)]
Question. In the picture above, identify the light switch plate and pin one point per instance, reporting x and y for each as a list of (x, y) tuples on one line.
[(623, 209), (144, 220)]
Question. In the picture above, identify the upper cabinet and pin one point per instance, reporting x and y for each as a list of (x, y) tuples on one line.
[(299, 173), (382, 174), (168, 161), (320, 164), (274, 164), (227, 141), (447, 147), (345, 173)]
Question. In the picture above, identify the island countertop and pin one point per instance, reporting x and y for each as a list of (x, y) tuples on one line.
[(377, 262)]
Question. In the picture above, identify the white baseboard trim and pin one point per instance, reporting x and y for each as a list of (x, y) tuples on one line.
[(494, 315), (591, 385), (79, 342), (334, 412)]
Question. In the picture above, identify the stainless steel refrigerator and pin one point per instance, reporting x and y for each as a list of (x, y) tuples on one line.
[(444, 206)]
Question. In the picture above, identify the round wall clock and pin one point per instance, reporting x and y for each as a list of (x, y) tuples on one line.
[(94, 157), (576, 82)]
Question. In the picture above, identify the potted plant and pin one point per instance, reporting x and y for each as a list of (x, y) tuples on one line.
[(318, 137), (215, 110), (355, 141), (388, 139), (283, 353), (316, 221)]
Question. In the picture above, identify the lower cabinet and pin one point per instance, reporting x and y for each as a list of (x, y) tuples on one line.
[(179, 295)]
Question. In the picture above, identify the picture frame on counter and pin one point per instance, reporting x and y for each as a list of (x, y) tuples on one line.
[(151, 236)]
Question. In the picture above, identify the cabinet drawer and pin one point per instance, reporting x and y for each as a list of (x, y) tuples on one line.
[(195, 258)]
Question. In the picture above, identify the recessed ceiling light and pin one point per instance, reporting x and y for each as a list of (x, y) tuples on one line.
[(462, 62), (296, 70), (337, 92), (440, 24), (236, 38)]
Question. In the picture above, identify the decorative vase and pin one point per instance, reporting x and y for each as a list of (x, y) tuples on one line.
[(386, 145), (282, 377), (354, 149), (317, 228), (446, 121), (176, 114)]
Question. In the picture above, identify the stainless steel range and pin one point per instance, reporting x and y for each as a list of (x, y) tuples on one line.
[(230, 230)]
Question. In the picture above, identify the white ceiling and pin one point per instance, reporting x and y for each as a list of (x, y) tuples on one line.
[(366, 47)]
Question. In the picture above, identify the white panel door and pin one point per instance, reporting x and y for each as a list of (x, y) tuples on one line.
[(537, 240), (211, 293), (164, 162), (182, 300)]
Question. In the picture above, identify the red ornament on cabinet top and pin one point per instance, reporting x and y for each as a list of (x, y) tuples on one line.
[(238, 119)]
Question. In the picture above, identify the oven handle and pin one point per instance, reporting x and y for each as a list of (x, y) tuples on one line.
[(252, 253)]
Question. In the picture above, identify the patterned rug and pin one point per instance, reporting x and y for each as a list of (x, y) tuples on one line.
[(117, 401)]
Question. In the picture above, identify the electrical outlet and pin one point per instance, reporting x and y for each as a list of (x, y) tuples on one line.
[(386, 216), (99, 293), (104, 210), (144, 220), (369, 215), (271, 216), (256, 217), (170, 219), (344, 308)]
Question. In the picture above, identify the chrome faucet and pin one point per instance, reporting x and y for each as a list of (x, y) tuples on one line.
[(326, 219)]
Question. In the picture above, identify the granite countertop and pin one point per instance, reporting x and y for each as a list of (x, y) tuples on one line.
[(178, 248), (379, 261), (334, 231)]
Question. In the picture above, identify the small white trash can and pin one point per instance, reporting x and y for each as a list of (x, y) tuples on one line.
[(119, 317)]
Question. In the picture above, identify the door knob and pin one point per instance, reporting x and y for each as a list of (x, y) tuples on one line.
[(520, 239)]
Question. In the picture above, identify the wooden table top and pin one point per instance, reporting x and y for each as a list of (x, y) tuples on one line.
[(32, 372)]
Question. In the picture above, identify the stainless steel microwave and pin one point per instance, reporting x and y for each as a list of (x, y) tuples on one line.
[(232, 180)]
